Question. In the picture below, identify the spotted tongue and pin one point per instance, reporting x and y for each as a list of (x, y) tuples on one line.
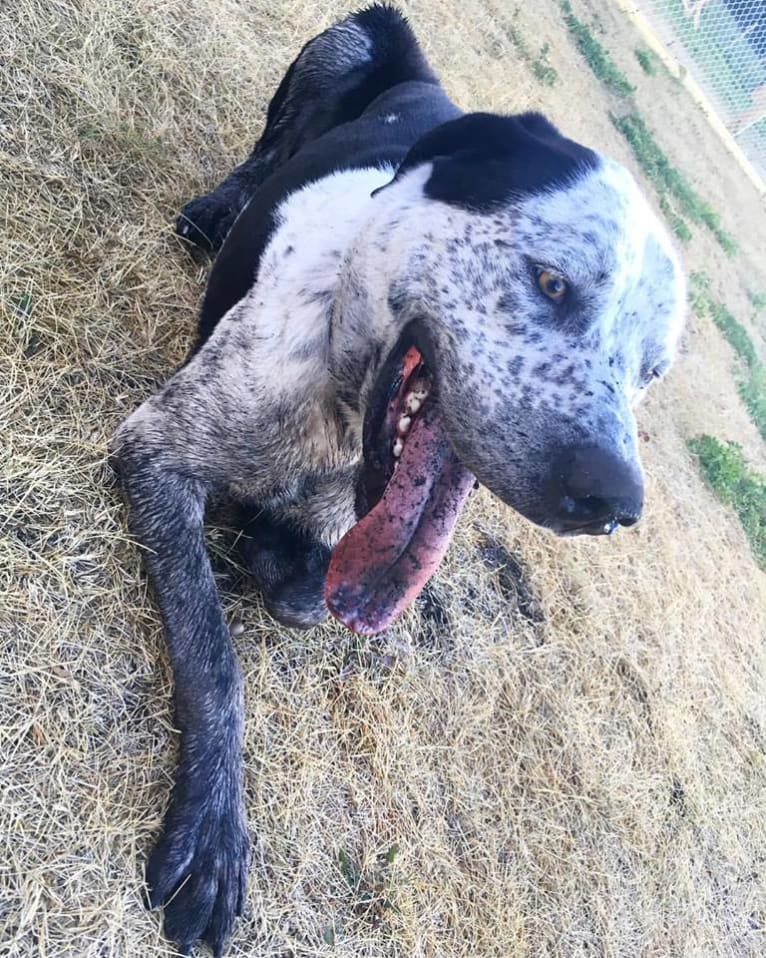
[(382, 563)]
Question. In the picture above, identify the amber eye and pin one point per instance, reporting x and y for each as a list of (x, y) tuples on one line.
[(552, 285)]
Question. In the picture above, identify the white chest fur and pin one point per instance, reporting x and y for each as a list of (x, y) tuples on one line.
[(288, 308)]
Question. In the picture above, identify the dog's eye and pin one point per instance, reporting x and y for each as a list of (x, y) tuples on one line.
[(552, 284)]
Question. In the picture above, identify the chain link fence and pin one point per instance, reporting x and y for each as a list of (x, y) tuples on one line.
[(722, 43)]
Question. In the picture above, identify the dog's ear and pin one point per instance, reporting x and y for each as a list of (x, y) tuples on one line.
[(481, 160)]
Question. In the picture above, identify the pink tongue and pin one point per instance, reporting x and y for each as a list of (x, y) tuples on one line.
[(382, 563)]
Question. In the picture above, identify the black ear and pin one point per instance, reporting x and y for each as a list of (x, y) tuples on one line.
[(480, 160)]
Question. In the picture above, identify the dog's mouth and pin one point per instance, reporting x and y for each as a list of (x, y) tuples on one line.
[(411, 492)]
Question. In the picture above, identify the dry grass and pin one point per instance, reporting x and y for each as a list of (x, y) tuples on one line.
[(571, 759)]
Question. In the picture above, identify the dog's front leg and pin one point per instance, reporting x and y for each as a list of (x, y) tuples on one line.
[(198, 868)]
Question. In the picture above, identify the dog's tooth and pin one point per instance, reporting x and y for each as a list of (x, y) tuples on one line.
[(420, 389), (412, 403), (404, 424), (398, 446)]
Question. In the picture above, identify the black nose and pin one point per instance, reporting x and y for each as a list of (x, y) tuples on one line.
[(597, 491)]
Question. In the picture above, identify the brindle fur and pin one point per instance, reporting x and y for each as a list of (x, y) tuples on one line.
[(268, 409)]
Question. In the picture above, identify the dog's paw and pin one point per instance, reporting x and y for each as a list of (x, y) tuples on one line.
[(299, 603), (198, 872), (204, 222)]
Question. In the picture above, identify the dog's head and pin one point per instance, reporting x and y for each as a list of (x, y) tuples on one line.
[(522, 295)]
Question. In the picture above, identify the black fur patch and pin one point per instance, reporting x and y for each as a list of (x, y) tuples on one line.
[(480, 160)]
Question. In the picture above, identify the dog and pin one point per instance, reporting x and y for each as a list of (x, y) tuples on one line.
[(407, 300)]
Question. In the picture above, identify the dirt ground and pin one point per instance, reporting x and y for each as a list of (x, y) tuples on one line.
[(561, 751)]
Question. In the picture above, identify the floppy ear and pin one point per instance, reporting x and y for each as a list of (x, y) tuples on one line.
[(482, 159)]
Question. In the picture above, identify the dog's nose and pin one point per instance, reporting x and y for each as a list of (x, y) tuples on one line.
[(597, 490)]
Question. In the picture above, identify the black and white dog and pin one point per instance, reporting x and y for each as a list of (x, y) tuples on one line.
[(408, 299)]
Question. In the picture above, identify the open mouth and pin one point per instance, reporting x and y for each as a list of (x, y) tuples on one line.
[(412, 491)]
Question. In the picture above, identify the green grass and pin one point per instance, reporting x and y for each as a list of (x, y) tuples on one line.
[(370, 890), (753, 393), (725, 470), (733, 331), (676, 222), (757, 299), (647, 61), (596, 56), (700, 296), (666, 178), (21, 306), (538, 63), (542, 69), (752, 388)]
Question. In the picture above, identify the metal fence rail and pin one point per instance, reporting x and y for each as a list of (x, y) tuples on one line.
[(722, 43)]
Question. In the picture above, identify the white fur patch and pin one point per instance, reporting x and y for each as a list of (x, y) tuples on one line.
[(288, 309)]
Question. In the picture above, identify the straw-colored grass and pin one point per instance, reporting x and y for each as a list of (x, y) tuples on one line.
[(560, 755)]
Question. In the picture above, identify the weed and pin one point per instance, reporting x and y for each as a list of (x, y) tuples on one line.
[(727, 242), (676, 222), (596, 56), (21, 306), (371, 891), (757, 299), (647, 61), (752, 388), (518, 41), (733, 331), (542, 69), (753, 393), (700, 296), (725, 470), (668, 179)]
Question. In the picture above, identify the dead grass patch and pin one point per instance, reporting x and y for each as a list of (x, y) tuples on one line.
[(583, 778)]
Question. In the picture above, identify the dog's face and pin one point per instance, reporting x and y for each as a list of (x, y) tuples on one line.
[(547, 322), (542, 297)]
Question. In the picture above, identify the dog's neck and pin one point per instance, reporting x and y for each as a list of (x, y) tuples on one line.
[(321, 312), (365, 324)]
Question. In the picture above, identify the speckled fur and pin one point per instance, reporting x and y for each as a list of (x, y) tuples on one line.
[(518, 375)]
